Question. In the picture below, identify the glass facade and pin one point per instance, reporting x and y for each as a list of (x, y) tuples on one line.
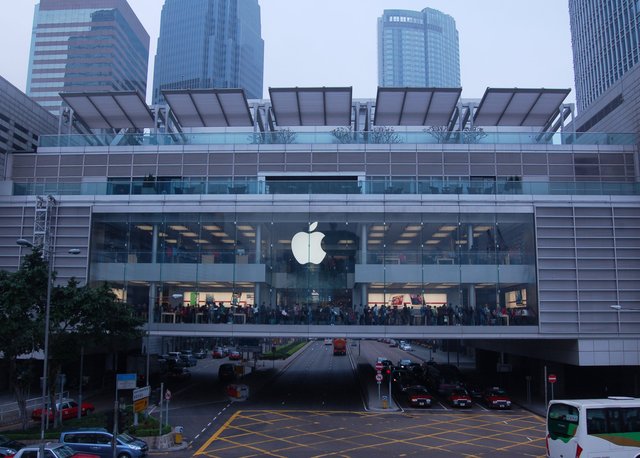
[(99, 47), (390, 268), (418, 49), (606, 44), (207, 43)]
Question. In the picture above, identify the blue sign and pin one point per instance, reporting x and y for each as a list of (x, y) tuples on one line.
[(126, 381)]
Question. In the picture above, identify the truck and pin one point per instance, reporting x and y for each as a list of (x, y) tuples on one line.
[(339, 346)]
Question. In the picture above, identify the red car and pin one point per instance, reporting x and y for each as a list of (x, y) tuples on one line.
[(235, 356), (496, 398), (418, 396), (69, 409), (459, 397), (218, 353)]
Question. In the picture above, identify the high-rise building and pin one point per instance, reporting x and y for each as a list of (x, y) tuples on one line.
[(207, 44), (85, 45), (606, 45), (418, 48)]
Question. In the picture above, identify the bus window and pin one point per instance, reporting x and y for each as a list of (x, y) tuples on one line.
[(613, 420), (562, 421), (596, 421)]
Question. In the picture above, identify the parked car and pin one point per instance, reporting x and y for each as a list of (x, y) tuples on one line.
[(200, 354), (496, 398), (98, 441), (178, 374), (405, 346), (188, 359), (227, 372), (404, 364), (52, 450), (393, 343), (235, 355), (69, 409), (218, 353), (459, 397), (8, 446), (418, 396)]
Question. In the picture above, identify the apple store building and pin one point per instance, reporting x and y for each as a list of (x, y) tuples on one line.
[(415, 211)]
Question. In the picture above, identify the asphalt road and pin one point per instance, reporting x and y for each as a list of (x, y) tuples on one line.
[(313, 406)]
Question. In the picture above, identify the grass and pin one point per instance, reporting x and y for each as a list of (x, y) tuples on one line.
[(284, 351)]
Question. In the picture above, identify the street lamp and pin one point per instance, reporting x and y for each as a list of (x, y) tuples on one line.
[(24, 243), (619, 308)]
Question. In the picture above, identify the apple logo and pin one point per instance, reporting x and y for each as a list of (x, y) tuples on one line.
[(306, 246)]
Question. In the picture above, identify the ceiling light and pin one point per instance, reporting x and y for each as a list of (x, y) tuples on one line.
[(212, 227), (433, 242), (249, 234), (179, 228), (162, 234), (245, 228), (171, 241), (440, 235), (376, 234), (203, 241), (228, 241), (482, 228), (408, 234), (284, 241), (144, 227), (189, 234), (402, 242), (220, 234), (413, 228), (448, 228), (374, 242), (379, 228)]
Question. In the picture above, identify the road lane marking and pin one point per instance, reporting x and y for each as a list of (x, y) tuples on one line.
[(217, 433)]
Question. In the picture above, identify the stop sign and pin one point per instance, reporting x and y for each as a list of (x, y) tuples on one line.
[(552, 378), (378, 366)]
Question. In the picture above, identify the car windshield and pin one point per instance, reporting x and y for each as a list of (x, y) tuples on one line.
[(64, 451), (460, 392), (498, 392), (124, 437)]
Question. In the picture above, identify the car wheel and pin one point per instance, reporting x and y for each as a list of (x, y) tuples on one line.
[(124, 455)]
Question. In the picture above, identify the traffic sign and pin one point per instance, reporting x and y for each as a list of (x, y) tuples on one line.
[(125, 381), (378, 378), (552, 378), (167, 395), (378, 366)]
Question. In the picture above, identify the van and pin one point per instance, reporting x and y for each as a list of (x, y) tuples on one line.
[(227, 372), (98, 442)]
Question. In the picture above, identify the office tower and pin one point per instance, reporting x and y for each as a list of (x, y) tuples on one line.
[(209, 43), (606, 45), (418, 48), (22, 121), (85, 46)]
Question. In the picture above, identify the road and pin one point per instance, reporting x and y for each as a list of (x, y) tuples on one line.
[(313, 406)]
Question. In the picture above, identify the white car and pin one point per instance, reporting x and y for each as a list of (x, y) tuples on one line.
[(406, 347)]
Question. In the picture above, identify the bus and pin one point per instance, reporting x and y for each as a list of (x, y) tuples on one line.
[(582, 428)]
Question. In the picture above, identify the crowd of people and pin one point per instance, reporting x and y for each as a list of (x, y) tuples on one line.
[(328, 314)]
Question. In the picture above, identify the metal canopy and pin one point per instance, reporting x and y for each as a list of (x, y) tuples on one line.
[(415, 106), (209, 107), (110, 110), (519, 107), (325, 106)]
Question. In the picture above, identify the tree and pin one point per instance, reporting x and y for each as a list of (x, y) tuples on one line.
[(22, 306)]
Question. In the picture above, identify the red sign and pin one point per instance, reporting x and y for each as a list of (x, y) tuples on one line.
[(552, 378), (378, 366)]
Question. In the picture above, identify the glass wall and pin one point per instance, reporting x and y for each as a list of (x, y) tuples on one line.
[(393, 268)]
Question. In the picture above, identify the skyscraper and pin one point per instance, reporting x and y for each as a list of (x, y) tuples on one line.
[(606, 45), (418, 48), (85, 45), (209, 43)]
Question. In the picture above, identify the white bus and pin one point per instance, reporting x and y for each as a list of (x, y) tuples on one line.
[(604, 428)]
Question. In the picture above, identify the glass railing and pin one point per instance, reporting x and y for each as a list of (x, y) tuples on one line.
[(387, 137), (370, 187)]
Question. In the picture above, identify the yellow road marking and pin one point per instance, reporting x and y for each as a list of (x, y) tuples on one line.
[(217, 433)]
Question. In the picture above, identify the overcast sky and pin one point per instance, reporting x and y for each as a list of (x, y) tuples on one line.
[(503, 43)]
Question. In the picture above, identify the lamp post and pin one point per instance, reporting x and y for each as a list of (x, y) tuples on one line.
[(47, 312), (619, 308)]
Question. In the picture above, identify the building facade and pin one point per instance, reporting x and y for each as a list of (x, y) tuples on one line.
[(418, 49), (358, 218), (606, 45), (209, 43), (22, 121), (92, 45)]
